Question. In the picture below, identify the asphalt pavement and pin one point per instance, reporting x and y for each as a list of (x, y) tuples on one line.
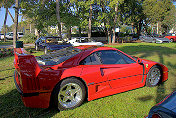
[(11, 46)]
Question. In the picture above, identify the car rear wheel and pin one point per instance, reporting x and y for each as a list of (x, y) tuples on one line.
[(69, 94), (153, 76)]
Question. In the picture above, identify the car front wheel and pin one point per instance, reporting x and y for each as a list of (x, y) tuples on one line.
[(153, 76), (171, 40), (69, 94)]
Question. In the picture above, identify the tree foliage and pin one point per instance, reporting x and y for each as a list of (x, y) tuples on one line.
[(108, 14)]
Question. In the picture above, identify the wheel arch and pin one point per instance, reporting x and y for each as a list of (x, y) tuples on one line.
[(80, 79), (161, 70)]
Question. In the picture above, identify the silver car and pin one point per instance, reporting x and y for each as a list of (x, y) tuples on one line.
[(154, 39)]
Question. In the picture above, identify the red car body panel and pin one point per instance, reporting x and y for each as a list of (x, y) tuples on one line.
[(36, 83), (171, 37)]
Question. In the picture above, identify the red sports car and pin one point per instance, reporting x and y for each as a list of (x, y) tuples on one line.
[(69, 76)]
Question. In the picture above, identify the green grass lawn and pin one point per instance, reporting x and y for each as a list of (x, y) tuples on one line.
[(132, 104), (8, 42)]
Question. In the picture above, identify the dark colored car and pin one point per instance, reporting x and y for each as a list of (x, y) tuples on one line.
[(165, 109), (50, 43), (68, 76)]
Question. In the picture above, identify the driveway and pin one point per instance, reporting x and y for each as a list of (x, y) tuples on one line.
[(11, 46)]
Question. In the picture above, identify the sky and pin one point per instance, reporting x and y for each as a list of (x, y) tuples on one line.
[(9, 20)]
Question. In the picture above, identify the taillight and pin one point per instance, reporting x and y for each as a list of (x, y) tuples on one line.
[(156, 115)]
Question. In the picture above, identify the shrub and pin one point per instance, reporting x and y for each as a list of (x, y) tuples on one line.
[(4, 52), (28, 38)]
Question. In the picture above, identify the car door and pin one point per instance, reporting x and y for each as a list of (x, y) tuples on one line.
[(119, 69), (92, 74)]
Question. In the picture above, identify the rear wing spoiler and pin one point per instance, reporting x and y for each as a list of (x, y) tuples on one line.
[(25, 63)]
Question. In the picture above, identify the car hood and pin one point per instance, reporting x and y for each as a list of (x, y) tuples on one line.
[(169, 102)]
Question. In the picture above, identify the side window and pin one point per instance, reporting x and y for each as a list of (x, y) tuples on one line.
[(127, 59), (91, 60), (110, 57)]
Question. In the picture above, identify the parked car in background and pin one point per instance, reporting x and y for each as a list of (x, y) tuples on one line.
[(154, 39), (84, 41), (50, 43), (68, 76), (9, 35), (165, 109), (171, 37), (20, 34), (1, 36)]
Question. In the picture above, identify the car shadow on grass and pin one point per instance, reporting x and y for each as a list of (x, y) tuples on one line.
[(12, 105)]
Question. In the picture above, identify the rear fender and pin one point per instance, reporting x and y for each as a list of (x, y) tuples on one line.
[(28, 69)]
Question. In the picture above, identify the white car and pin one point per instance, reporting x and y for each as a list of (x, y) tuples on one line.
[(1, 36), (9, 35), (84, 41), (20, 34)]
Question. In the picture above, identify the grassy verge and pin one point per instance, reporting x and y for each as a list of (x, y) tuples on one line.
[(8, 42), (135, 103)]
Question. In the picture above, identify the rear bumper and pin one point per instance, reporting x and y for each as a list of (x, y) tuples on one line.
[(35, 99)]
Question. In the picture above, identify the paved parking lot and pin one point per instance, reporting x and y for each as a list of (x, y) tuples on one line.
[(11, 46)]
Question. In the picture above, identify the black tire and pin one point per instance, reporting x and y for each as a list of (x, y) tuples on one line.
[(171, 40), (36, 48), (69, 94), (153, 76)]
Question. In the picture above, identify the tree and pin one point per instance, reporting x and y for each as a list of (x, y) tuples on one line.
[(157, 11), (109, 16), (58, 16), (6, 4), (15, 35), (42, 13), (132, 12)]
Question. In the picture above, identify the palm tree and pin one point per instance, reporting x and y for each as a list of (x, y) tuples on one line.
[(6, 4), (15, 30), (58, 16)]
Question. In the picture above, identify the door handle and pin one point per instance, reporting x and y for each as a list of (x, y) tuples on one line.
[(102, 72)]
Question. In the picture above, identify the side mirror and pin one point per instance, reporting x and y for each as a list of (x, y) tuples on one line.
[(139, 61)]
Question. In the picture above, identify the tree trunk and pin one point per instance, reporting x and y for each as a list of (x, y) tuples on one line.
[(90, 22), (11, 16), (139, 28), (5, 20), (58, 17), (132, 24), (79, 31), (157, 27), (109, 35), (69, 33), (115, 21), (37, 33), (15, 24)]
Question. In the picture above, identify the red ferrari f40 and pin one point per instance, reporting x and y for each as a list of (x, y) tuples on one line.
[(68, 76)]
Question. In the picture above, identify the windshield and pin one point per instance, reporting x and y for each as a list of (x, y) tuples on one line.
[(54, 40), (57, 57), (85, 40), (20, 33)]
